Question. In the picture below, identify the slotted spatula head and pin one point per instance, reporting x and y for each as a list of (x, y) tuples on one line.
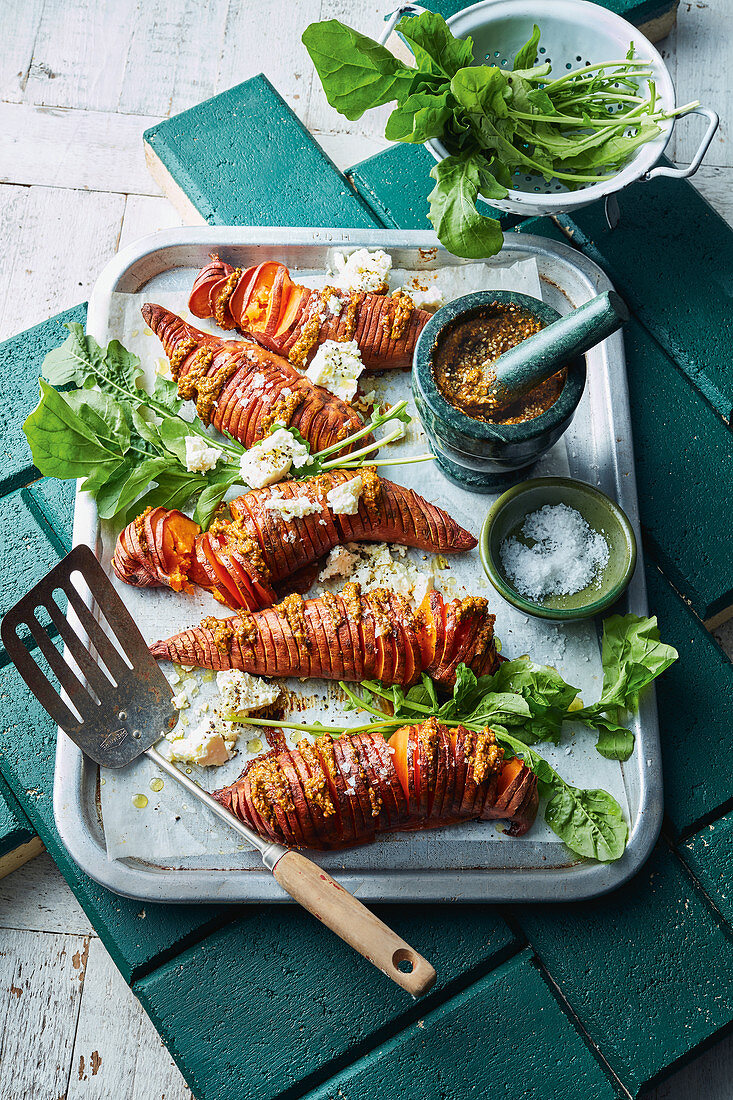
[(119, 705)]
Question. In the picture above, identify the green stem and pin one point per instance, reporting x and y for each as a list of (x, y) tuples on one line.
[(366, 430), (579, 75), (382, 462)]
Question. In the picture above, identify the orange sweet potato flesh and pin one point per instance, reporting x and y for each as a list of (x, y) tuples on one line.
[(269, 306), (373, 787), (249, 382), (287, 547), (307, 645)]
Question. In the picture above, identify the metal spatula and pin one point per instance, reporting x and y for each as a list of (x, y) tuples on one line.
[(121, 705)]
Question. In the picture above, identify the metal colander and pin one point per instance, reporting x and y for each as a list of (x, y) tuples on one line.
[(574, 33)]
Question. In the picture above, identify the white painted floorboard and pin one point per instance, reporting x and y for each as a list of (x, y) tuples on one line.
[(79, 82)]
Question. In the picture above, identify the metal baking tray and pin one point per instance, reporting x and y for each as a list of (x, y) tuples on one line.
[(599, 450)]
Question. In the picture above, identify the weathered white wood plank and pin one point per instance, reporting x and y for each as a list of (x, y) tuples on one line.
[(13, 205), (144, 215), (41, 982), (279, 53), (367, 17), (173, 53), (80, 54), (716, 184), (698, 53), (117, 1052), (62, 147), (61, 244), (36, 898), (19, 37), (346, 150)]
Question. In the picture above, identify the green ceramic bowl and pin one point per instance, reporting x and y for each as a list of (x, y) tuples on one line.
[(600, 513)]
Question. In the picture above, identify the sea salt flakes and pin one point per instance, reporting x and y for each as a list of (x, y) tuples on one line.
[(562, 556)]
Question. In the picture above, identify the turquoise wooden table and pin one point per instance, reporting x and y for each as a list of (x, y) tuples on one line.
[(617, 991)]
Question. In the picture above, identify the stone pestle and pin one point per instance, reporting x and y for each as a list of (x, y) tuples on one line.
[(540, 356)]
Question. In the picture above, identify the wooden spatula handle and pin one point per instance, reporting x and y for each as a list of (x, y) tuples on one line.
[(339, 910)]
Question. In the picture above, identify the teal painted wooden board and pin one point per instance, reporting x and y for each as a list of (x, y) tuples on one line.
[(243, 158), (506, 1036), (671, 258), (396, 185), (648, 970), (27, 551), (636, 11), (52, 504), (288, 1003), (684, 470), (695, 721), (15, 828), (20, 364), (709, 855), (137, 936)]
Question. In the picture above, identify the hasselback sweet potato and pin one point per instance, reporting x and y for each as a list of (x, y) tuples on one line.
[(244, 389), (348, 636), (244, 561), (263, 302), (339, 793)]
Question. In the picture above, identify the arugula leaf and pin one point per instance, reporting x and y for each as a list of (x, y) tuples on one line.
[(614, 742), (436, 50), (213, 494), (422, 116), (457, 222), (165, 393), (356, 72), (482, 90), (82, 361), (590, 822), (632, 656), (525, 58), (492, 121), (64, 443)]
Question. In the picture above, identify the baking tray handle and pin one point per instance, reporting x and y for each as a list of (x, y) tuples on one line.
[(692, 167)]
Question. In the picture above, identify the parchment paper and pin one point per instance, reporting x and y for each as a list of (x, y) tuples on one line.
[(172, 826)]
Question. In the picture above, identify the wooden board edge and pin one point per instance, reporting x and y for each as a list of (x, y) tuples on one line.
[(175, 194), (662, 25), (721, 617), (11, 861)]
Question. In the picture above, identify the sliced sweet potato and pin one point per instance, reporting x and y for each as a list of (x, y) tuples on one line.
[(225, 583), (289, 315), (398, 802), (323, 746), (263, 288), (300, 818), (345, 766), (381, 795)]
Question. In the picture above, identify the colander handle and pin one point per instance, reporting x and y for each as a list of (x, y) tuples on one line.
[(393, 19), (692, 167)]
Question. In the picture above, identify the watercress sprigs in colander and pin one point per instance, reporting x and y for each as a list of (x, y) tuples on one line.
[(495, 123)]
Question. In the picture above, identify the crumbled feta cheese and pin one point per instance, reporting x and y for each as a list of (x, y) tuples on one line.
[(240, 693), (292, 507), (340, 563), (363, 270), (373, 566), (336, 366), (258, 381), (200, 457), (429, 297), (271, 459), (183, 698), (206, 746), (334, 305), (343, 499)]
